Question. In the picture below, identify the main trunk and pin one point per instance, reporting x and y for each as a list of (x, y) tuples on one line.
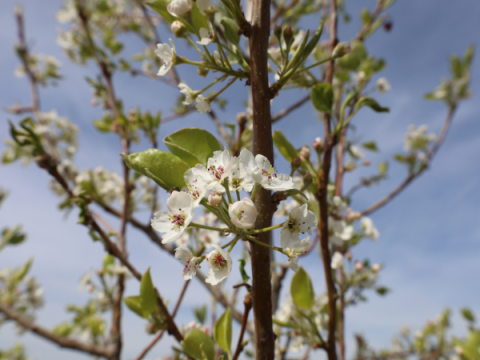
[(262, 144)]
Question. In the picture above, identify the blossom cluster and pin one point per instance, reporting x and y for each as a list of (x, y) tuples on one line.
[(211, 187)]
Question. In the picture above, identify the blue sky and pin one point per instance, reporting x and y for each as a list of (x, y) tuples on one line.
[(430, 235)]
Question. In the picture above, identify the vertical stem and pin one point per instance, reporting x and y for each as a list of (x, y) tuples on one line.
[(341, 316), (262, 144), (322, 199)]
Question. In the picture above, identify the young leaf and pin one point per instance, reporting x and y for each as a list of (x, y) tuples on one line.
[(20, 273), (199, 20), (301, 290), (192, 145), (201, 313), (353, 60), (371, 103), (244, 274), (231, 30), (322, 97), (148, 298), (370, 145), (167, 169), (197, 342), (223, 331), (284, 146), (160, 6), (134, 303)]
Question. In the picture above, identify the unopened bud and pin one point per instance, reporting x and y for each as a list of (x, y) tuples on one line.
[(296, 164), (318, 144), (18, 10), (202, 71), (348, 255), (100, 272), (307, 181), (277, 31), (367, 162), (358, 266), (288, 36), (342, 49), (178, 29), (458, 350), (241, 118), (90, 288), (376, 267), (305, 153), (94, 102), (214, 199)]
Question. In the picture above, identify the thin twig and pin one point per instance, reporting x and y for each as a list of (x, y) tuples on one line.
[(247, 302), (160, 334), (47, 334), (289, 109), (414, 175)]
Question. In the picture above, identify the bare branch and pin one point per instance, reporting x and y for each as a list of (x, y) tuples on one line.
[(247, 302), (292, 107), (47, 334)]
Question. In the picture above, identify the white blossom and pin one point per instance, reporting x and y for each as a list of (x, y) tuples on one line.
[(260, 169), (417, 139), (293, 248), (197, 184), (339, 231), (220, 264), (383, 85), (166, 54), (190, 262), (243, 213), (300, 220), (187, 91), (369, 230), (205, 236), (202, 104), (356, 152), (179, 7), (214, 199), (205, 37), (174, 222), (204, 5), (337, 260), (117, 269), (182, 241)]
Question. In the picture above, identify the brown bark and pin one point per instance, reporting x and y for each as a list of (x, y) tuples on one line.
[(262, 144)]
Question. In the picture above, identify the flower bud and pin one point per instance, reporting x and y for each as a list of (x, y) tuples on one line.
[(90, 288), (307, 181), (241, 118), (305, 153), (367, 162), (277, 31), (100, 272), (179, 7), (342, 49), (202, 71), (288, 36), (296, 164), (358, 266), (178, 29), (376, 267), (318, 144), (214, 199), (243, 213), (348, 255)]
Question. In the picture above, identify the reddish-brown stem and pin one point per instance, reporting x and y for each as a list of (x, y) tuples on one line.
[(247, 302), (412, 176), (160, 334), (341, 316), (322, 199), (64, 342), (262, 144), (340, 168), (289, 109)]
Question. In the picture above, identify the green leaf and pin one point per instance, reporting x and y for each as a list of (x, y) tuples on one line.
[(301, 290), (201, 313), (199, 20), (467, 314), (382, 290), (12, 236), (353, 60), (134, 303), (20, 273), (322, 97), (165, 169), (197, 342), (148, 298), (471, 346), (108, 260), (383, 167), (292, 192), (284, 146), (160, 6), (371, 103), (370, 145), (192, 145), (223, 331), (231, 30)]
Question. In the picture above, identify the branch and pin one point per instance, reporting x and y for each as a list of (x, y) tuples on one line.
[(277, 278), (322, 199), (47, 334), (160, 334), (411, 177), (292, 107), (247, 302)]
